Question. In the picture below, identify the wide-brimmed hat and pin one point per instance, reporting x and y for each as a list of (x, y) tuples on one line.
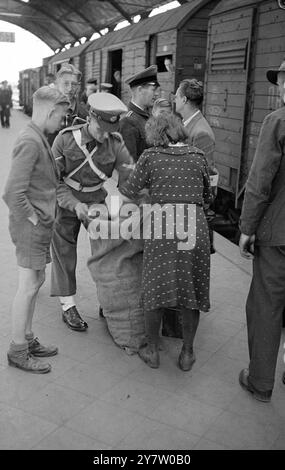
[(272, 75), (106, 108)]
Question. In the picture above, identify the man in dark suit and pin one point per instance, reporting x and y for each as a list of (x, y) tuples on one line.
[(262, 226), (144, 87)]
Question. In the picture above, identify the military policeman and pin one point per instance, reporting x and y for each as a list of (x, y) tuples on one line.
[(144, 86), (85, 155)]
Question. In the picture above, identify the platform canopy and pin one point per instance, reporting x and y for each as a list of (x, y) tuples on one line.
[(62, 22)]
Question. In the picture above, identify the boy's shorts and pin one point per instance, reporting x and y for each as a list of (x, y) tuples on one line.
[(32, 243)]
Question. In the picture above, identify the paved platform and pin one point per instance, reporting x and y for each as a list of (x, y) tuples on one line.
[(97, 397)]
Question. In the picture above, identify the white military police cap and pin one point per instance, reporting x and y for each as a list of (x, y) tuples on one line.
[(107, 109), (106, 86)]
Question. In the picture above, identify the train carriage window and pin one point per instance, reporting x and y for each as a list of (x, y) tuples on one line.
[(164, 63)]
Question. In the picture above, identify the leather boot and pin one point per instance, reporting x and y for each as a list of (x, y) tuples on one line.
[(20, 357), (150, 355), (186, 358), (260, 395), (39, 350)]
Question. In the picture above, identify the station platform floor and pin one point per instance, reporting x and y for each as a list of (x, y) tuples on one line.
[(97, 397)]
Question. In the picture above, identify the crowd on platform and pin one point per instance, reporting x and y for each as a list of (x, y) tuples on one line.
[(82, 160)]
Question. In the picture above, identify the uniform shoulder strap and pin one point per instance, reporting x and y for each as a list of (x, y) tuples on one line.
[(77, 137), (117, 136), (70, 128)]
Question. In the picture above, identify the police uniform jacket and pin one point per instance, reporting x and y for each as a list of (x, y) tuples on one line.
[(263, 212), (202, 137), (132, 128), (33, 178), (110, 154)]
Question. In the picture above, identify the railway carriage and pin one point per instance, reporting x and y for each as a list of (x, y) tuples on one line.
[(176, 41), (228, 44), (245, 39), (29, 81)]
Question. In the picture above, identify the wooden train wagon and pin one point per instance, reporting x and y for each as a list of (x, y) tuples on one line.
[(245, 39), (176, 41), (30, 81), (74, 56)]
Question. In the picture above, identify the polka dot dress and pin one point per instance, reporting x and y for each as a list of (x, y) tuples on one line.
[(176, 261)]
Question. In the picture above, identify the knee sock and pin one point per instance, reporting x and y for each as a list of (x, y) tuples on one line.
[(190, 322), (152, 325), (67, 302), (30, 337), (17, 349)]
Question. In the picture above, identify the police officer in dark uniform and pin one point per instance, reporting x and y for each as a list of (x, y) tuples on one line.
[(144, 87), (81, 152)]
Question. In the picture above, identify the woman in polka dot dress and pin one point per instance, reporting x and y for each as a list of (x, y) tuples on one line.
[(175, 274)]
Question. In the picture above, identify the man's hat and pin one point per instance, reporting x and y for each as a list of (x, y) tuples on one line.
[(92, 81), (162, 103), (106, 108), (272, 75), (105, 86), (147, 76)]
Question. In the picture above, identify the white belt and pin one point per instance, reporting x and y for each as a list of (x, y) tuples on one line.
[(78, 186)]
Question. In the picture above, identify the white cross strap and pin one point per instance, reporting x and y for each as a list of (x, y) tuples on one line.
[(77, 137)]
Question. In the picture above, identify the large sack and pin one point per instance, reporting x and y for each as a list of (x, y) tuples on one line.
[(116, 268)]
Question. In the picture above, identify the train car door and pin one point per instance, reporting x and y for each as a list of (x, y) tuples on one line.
[(114, 71), (191, 51), (226, 93)]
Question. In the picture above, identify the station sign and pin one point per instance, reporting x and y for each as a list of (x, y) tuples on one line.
[(7, 37)]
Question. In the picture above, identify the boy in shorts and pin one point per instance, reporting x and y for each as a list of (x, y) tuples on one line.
[(30, 194)]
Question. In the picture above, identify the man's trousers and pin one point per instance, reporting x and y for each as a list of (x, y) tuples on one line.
[(264, 307), (64, 253)]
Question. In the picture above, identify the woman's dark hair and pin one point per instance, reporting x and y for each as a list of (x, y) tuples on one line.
[(165, 129)]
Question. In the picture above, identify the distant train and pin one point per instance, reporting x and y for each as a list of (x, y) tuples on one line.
[(228, 44)]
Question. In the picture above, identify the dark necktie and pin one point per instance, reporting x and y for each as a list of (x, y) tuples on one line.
[(91, 145)]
